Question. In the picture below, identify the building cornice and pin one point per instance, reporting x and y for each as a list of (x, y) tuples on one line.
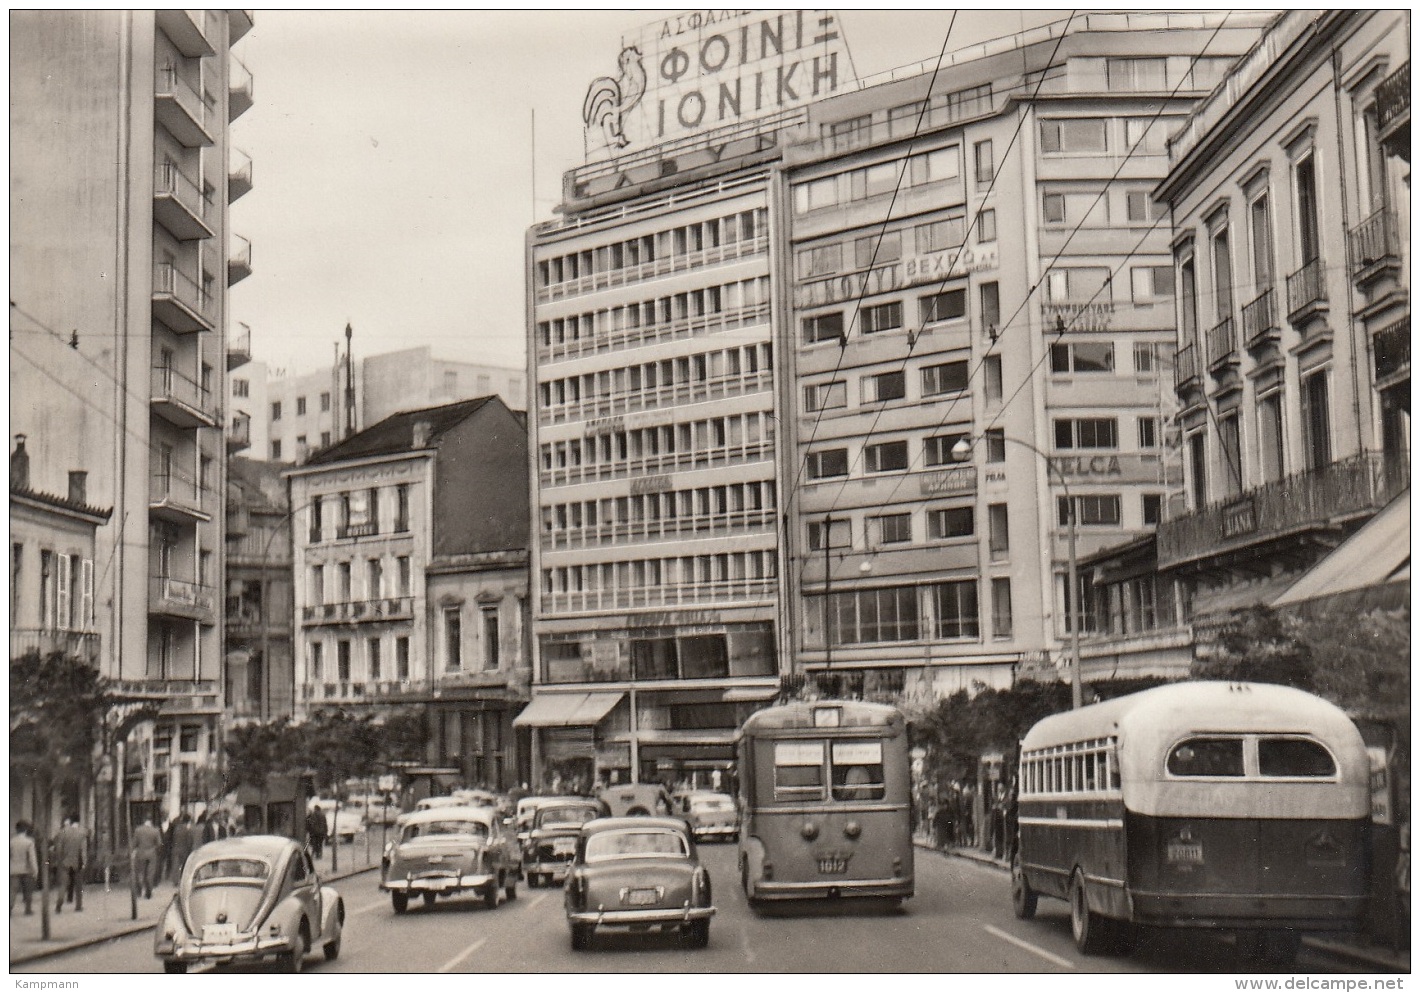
[(367, 461)]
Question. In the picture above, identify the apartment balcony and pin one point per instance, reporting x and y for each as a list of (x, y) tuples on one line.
[(239, 22), (82, 645), (180, 109), (239, 90), (239, 432), (1391, 345), (239, 175), (238, 260), (1393, 111), (181, 598), (180, 205), (1306, 293), (1259, 321), (397, 608), (357, 692), (180, 303), (1375, 247), (239, 347), (1222, 342), (700, 594), (181, 401), (1185, 370), (185, 30), (177, 500), (177, 696), (1319, 500)]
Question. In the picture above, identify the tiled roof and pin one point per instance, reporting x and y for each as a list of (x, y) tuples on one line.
[(60, 503), (395, 434)]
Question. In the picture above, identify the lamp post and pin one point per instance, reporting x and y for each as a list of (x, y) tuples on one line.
[(961, 451), (827, 595)]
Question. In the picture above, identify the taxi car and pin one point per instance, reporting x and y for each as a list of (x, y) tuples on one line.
[(709, 814), (248, 899), (552, 839), (448, 851), (640, 874)]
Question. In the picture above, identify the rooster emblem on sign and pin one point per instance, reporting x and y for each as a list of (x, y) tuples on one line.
[(610, 100)]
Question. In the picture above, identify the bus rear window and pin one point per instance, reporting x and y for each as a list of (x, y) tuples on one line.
[(798, 770), (1299, 757), (858, 770), (1207, 757)]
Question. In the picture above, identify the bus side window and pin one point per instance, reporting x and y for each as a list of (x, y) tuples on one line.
[(1293, 757), (1207, 757)]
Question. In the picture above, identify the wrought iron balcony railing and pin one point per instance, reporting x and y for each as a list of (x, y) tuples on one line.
[(1393, 98), (1305, 289), (1374, 241), (1259, 319)]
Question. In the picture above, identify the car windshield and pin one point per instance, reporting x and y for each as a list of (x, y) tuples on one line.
[(449, 828), (639, 843), (711, 803), (551, 816), (228, 869)]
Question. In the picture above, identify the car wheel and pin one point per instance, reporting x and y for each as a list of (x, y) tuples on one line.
[(1092, 932), (511, 890), (490, 895), (582, 937), (331, 949), (295, 959), (429, 898), (696, 934), (175, 968), (400, 901), (1023, 898)]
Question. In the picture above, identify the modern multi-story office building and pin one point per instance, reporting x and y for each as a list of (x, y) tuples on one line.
[(121, 175), (755, 349)]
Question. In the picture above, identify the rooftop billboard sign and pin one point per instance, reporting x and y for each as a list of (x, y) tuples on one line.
[(703, 70)]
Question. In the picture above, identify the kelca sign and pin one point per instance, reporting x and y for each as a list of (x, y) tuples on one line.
[(711, 69)]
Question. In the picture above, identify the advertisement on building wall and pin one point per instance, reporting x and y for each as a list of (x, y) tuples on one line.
[(697, 71)]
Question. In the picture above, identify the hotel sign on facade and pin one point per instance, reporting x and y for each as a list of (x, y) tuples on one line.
[(933, 268), (706, 69)]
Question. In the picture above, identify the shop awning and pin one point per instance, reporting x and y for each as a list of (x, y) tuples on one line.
[(561, 710), (749, 694), (1377, 554)]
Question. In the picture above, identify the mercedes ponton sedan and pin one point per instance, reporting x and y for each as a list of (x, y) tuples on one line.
[(638, 874), (249, 899), (449, 851)]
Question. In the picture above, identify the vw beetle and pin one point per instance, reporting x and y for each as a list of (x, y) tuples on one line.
[(249, 899)]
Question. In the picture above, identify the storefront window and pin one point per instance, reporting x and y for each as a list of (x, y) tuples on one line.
[(653, 658), (704, 656)]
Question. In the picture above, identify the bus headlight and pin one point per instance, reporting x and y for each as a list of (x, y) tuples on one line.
[(809, 830), (852, 829)]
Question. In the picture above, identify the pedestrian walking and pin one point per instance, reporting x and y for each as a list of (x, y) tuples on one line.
[(71, 845), (24, 865), (181, 845), (316, 831), (942, 824), (147, 856)]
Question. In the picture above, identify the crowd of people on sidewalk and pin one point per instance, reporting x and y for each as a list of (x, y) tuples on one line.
[(952, 818)]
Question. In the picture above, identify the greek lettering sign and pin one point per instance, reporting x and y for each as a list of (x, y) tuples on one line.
[(959, 480), (931, 268), (1239, 518), (650, 484), (706, 69)]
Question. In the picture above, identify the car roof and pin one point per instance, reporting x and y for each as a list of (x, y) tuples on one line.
[(481, 814), (602, 824), (268, 847)]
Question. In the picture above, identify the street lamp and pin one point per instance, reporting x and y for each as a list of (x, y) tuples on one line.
[(961, 451)]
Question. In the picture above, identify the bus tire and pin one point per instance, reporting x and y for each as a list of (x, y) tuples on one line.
[(1023, 898), (1091, 931)]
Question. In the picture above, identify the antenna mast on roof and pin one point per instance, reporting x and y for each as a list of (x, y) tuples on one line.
[(349, 385)]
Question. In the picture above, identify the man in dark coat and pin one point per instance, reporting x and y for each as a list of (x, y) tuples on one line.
[(316, 831), (70, 846)]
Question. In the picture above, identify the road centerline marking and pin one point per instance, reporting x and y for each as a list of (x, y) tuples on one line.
[(537, 900), (368, 907), (449, 965), (1022, 943)]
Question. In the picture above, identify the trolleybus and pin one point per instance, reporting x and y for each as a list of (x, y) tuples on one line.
[(1241, 806), (825, 803)]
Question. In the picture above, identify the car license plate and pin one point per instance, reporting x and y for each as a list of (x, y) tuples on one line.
[(833, 866), (219, 934), (564, 846), (641, 898), (1185, 853)]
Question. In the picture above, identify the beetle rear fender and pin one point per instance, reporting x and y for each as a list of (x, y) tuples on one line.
[(333, 913)]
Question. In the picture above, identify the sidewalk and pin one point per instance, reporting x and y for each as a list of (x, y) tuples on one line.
[(109, 915), (1353, 948)]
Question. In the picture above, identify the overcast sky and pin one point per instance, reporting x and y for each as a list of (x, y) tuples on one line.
[(395, 155)]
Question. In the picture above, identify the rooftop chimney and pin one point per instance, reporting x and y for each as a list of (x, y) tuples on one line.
[(422, 430), (78, 486), (19, 465)]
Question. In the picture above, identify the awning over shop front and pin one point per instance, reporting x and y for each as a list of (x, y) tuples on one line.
[(561, 710), (750, 694), (1377, 554)]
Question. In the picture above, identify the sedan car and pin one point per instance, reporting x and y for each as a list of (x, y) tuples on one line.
[(249, 899), (710, 815), (638, 874), (448, 851), (552, 840)]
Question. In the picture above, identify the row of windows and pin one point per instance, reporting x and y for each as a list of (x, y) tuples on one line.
[(379, 583), (932, 611), (674, 444), (669, 505), (358, 512), (898, 528), (630, 321), (675, 243), (1080, 767), (744, 650), (644, 380), (373, 665), (1147, 284), (1087, 208), (1098, 356), (936, 380), (884, 247), (905, 119), (646, 573), (1096, 135), (935, 166), (63, 585), (276, 409), (948, 305)]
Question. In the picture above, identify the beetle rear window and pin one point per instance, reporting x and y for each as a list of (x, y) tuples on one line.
[(565, 815), (1207, 757), (467, 829), (1294, 757), (231, 869)]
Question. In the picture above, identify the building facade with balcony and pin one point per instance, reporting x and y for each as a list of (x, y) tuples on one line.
[(372, 516), (258, 673), (980, 266), (120, 168), (1290, 204)]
